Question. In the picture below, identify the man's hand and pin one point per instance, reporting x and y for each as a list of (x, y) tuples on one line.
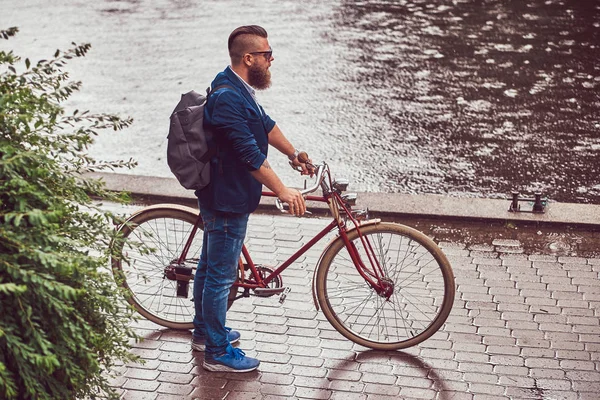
[(306, 168), (294, 199)]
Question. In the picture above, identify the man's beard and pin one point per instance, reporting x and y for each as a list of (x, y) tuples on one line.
[(258, 78)]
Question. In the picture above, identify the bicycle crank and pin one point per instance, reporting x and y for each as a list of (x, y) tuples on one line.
[(275, 286)]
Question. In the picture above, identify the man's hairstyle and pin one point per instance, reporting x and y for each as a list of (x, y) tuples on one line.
[(237, 45)]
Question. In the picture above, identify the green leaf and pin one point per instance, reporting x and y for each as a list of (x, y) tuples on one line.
[(64, 323), (12, 288)]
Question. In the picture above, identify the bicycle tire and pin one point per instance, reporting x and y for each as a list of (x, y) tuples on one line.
[(422, 280), (165, 230)]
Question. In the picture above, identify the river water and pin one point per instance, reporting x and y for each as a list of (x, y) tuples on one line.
[(456, 97)]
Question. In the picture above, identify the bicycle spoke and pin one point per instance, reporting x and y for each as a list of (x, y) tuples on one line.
[(406, 301), (165, 233)]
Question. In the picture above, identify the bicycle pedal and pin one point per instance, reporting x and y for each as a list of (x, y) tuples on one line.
[(284, 295), (266, 292)]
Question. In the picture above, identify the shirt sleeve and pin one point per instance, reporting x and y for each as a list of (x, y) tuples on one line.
[(229, 119), (267, 121)]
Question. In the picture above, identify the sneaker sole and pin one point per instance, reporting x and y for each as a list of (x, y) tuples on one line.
[(198, 347), (201, 347), (224, 368)]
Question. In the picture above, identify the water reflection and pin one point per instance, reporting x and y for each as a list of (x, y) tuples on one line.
[(483, 96), (459, 97)]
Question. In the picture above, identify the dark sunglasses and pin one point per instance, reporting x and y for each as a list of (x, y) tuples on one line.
[(267, 54)]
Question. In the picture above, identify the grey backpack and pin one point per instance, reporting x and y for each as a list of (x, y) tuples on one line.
[(189, 145)]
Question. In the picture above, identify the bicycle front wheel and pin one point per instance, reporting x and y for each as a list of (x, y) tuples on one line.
[(153, 240), (419, 287)]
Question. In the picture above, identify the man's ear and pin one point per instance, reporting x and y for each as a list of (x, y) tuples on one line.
[(247, 60)]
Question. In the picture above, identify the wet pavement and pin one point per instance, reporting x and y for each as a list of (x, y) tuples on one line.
[(525, 325)]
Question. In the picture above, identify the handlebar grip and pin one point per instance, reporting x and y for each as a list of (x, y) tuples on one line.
[(303, 157)]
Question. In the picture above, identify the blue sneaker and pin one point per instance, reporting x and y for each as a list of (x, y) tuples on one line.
[(233, 360), (199, 344)]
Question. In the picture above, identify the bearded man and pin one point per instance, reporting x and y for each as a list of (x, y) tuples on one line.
[(242, 132)]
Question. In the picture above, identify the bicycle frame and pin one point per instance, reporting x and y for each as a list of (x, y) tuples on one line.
[(337, 207)]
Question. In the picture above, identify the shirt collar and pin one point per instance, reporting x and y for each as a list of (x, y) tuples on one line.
[(249, 88)]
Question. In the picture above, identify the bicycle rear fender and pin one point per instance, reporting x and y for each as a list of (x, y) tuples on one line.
[(327, 247), (166, 206)]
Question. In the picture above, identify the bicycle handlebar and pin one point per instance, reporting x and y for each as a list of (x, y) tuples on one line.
[(319, 179)]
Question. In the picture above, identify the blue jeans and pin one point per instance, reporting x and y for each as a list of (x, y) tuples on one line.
[(224, 235)]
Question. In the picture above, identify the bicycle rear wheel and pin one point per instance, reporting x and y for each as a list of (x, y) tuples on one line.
[(418, 277), (164, 231)]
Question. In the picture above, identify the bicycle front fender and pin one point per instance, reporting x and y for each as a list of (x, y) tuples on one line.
[(327, 247)]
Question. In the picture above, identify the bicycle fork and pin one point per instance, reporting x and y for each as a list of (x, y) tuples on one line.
[(374, 277)]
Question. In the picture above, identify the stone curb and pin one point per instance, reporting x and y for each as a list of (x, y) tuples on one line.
[(158, 190)]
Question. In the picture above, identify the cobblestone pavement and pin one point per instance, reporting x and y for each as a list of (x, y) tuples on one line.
[(523, 326)]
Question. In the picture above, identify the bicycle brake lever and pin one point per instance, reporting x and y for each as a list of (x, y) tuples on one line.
[(281, 206), (295, 167)]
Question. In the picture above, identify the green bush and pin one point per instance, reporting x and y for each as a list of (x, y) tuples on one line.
[(62, 322)]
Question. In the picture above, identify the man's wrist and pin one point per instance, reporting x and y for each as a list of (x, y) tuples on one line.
[(292, 157)]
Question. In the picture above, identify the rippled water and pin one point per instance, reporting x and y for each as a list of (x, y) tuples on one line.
[(459, 97)]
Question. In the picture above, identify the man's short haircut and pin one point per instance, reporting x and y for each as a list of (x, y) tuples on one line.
[(236, 43)]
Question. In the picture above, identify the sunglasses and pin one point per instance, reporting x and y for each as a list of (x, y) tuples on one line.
[(267, 54)]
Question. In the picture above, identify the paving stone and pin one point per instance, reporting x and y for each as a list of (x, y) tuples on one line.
[(171, 377), (417, 393), (275, 367), (208, 381), (281, 390), (176, 357), (380, 389), (342, 374), (337, 354), (542, 363), (485, 388), (553, 384), (494, 340), (211, 394), (442, 364), (439, 353), (537, 352), (449, 394), (542, 257), (140, 385), (175, 389), (472, 357), (172, 397), (145, 374), (309, 371), (523, 325), (531, 342), (541, 372), (275, 358), (175, 367), (475, 367), (578, 365), (138, 395), (348, 396), (148, 354), (509, 371), (145, 364), (507, 360), (176, 347), (572, 260), (311, 393)]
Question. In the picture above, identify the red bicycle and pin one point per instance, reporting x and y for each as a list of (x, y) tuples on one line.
[(382, 285)]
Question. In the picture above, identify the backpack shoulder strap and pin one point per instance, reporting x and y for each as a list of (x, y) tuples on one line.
[(210, 91)]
